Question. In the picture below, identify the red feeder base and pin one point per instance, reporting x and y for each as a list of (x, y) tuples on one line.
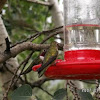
[(78, 64)]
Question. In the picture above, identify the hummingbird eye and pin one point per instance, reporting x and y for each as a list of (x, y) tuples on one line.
[(43, 53), (44, 50)]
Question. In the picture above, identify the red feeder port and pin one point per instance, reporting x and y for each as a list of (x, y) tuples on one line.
[(78, 64)]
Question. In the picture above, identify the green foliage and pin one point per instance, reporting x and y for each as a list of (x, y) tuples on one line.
[(60, 94), (22, 93), (50, 86), (85, 95), (22, 18)]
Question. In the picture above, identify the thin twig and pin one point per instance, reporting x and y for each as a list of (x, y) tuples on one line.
[(51, 35), (38, 34), (67, 90), (97, 90), (26, 61), (11, 82), (40, 82), (45, 91), (73, 89), (24, 40)]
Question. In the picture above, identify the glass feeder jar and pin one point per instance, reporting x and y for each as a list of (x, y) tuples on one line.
[(82, 26)]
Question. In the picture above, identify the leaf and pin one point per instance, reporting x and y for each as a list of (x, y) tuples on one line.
[(99, 81), (60, 94), (22, 93), (85, 95)]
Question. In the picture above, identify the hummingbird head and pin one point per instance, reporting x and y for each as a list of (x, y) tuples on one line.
[(43, 53)]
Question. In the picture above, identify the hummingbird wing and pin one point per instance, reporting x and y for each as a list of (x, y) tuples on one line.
[(50, 61)]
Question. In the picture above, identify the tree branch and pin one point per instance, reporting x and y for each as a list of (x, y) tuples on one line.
[(45, 91), (57, 30), (40, 2), (22, 47), (40, 82)]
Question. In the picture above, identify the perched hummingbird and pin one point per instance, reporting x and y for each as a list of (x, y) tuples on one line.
[(36, 61), (49, 58)]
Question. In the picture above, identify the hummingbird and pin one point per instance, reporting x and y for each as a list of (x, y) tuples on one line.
[(49, 58), (36, 61)]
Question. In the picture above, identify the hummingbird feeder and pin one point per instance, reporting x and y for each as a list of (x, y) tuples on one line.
[(81, 42)]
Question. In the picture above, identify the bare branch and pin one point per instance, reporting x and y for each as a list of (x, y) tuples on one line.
[(22, 47), (11, 82), (40, 82), (45, 91), (40, 2), (34, 36)]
